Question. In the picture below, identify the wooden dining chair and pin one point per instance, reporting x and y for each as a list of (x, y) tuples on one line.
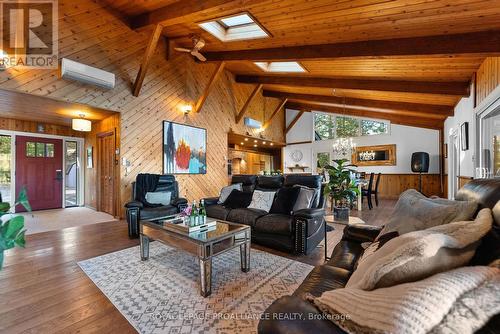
[(367, 192), (375, 191)]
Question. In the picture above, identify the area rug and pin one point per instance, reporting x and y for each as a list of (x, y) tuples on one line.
[(161, 295)]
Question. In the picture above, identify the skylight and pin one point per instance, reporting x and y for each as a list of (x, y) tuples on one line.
[(235, 28), (281, 66)]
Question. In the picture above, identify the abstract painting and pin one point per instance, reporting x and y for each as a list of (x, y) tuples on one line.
[(184, 149)]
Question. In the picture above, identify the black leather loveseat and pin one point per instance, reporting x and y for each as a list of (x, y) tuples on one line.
[(336, 272), (298, 233), (137, 209)]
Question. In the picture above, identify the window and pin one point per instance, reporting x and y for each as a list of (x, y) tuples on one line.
[(328, 126), (39, 150), (5, 168), (235, 28), (281, 66), (369, 127)]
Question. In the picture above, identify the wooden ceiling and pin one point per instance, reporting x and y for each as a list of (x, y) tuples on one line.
[(29, 107), (420, 51)]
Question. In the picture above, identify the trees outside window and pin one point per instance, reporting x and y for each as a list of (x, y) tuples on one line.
[(332, 126)]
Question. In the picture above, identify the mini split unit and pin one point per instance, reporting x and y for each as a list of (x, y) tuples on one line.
[(73, 70)]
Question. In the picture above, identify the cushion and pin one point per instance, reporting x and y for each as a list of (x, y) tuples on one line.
[(226, 191), (414, 212), (457, 301), (275, 224), (285, 200), (245, 216), (159, 197), (305, 198), (262, 200), (420, 254), (158, 212), (217, 211), (238, 199)]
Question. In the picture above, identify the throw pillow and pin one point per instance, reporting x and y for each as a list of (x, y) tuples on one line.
[(159, 197), (285, 200), (415, 212), (262, 200), (224, 193), (305, 198), (458, 301), (420, 254), (238, 199)]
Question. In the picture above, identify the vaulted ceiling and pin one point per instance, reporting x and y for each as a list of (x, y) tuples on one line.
[(418, 55)]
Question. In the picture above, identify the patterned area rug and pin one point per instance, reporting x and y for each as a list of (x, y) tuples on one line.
[(161, 295)]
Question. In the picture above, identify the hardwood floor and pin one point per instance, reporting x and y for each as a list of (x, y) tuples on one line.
[(42, 289)]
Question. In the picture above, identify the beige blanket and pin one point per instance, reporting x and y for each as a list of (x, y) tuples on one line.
[(457, 301)]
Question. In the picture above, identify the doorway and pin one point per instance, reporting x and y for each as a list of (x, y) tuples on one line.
[(106, 146), (454, 167), (39, 169)]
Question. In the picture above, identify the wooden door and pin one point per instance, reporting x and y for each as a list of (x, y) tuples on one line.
[(106, 165), (39, 164)]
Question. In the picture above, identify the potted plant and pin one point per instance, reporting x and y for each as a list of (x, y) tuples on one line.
[(341, 188), (12, 229)]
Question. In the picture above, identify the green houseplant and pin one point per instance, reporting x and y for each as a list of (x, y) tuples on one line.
[(341, 188), (12, 229)]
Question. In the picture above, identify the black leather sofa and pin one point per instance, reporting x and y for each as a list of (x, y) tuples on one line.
[(336, 272), (298, 233), (136, 210)]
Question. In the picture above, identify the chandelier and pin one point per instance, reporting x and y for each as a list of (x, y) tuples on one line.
[(343, 146), (367, 155)]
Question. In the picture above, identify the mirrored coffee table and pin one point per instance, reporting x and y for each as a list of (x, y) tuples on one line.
[(204, 244)]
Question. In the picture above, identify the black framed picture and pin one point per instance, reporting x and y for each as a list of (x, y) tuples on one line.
[(464, 136), (184, 149)]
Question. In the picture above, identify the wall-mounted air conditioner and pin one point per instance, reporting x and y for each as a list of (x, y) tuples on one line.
[(73, 70)]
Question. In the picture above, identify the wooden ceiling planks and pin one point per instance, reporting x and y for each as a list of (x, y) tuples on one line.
[(402, 51)]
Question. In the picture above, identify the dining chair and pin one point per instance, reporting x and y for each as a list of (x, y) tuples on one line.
[(367, 192), (375, 191)]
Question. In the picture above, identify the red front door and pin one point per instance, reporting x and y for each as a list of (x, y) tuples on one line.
[(39, 169)]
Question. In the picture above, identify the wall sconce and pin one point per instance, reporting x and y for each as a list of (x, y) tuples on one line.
[(186, 109), (81, 124)]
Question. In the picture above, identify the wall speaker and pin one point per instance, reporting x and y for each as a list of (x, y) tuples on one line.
[(420, 162)]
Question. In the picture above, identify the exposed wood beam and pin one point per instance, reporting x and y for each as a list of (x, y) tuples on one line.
[(179, 11), (244, 109), (208, 88), (275, 112), (146, 60), (484, 42), (294, 121), (396, 119), (426, 87), (438, 111)]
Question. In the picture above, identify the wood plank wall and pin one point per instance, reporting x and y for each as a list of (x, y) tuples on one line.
[(29, 126), (487, 78), (90, 34), (392, 185)]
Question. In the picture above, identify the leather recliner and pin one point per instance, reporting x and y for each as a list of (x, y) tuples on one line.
[(335, 273), (299, 232), (136, 210)]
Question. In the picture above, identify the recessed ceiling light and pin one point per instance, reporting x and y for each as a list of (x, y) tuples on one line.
[(237, 27), (271, 144), (255, 140), (281, 66), (246, 139), (255, 145), (242, 143), (264, 142)]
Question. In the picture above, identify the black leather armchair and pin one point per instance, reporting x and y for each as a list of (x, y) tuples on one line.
[(136, 210)]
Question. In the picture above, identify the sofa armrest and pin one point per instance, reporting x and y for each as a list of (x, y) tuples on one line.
[(134, 205), (180, 203), (211, 200), (290, 314), (361, 233), (309, 213)]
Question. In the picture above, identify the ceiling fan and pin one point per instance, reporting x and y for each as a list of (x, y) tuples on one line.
[(198, 44)]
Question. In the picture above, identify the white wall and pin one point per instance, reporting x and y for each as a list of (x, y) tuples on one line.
[(464, 112), (407, 139)]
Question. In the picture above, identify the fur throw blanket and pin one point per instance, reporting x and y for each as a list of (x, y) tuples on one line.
[(457, 301)]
